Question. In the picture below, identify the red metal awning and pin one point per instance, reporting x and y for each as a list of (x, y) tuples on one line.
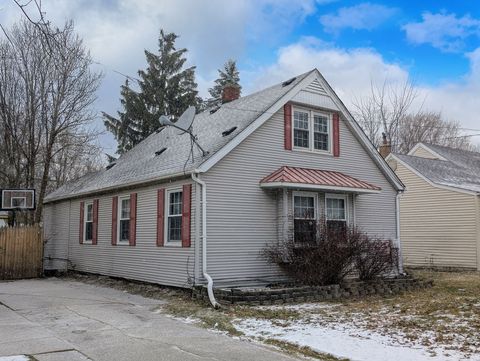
[(317, 179)]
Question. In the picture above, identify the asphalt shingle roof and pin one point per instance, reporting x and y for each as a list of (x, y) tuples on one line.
[(461, 169), (140, 164)]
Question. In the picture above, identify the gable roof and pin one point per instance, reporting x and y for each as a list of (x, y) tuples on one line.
[(140, 165), (455, 168)]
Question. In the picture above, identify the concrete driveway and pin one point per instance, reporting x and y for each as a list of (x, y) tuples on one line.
[(54, 319)]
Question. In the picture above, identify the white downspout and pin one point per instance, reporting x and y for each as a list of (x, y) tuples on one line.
[(399, 242), (211, 296)]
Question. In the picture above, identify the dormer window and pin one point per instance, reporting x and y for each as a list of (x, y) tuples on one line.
[(311, 130)]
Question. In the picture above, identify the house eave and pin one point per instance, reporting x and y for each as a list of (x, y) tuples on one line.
[(121, 187)]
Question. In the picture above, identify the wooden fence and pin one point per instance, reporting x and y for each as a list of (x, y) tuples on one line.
[(21, 252)]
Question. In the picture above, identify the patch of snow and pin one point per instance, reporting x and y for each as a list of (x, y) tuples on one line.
[(300, 307), (346, 341), (14, 358)]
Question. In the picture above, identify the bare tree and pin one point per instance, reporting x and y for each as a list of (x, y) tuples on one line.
[(46, 99), (429, 127), (388, 109), (383, 110)]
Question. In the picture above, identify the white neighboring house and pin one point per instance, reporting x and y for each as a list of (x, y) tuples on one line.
[(440, 208), (165, 213)]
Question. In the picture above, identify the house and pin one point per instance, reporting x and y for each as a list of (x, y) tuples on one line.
[(277, 159), (440, 208)]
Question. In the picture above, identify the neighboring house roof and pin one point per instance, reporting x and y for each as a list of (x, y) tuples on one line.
[(316, 179), (141, 165), (455, 168)]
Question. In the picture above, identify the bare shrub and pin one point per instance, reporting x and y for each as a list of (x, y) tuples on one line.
[(377, 257), (330, 253)]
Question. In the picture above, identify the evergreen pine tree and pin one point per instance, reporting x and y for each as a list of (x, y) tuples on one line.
[(165, 88), (229, 75)]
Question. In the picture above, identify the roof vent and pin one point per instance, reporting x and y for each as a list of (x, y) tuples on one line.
[(110, 165), (214, 110), (158, 152), (288, 82), (229, 131)]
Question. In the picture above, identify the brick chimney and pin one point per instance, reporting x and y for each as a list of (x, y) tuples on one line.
[(386, 148), (230, 92)]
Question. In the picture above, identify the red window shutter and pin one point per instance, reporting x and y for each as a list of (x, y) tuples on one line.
[(133, 219), (186, 214), (95, 222), (114, 220), (336, 135), (287, 117), (160, 217), (80, 230)]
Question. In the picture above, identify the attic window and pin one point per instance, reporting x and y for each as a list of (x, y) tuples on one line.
[(158, 152), (288, 82), (229, 131), (214, 110), (110, 165)]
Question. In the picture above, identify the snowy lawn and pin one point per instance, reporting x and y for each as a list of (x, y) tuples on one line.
[(442, 323)]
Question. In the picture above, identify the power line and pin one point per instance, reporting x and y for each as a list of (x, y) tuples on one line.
[(226, 106)]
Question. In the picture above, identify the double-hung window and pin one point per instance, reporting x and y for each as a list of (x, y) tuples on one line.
[(336, 212), (124, 219), (301, 129), (304, 216), (174, 216), (321, 138), (311, 130), (88, 222)]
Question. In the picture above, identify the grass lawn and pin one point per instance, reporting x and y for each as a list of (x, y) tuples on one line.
[(440, 323)]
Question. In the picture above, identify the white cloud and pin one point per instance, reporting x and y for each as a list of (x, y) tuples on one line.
[(446, 32), (350, 73), (365, 16), (118, 31)]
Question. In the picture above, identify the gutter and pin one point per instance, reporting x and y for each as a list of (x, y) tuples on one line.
[(399, 242), (209, 279)]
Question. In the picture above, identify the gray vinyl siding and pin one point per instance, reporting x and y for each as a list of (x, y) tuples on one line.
[(242, 217), (56, 220), (145, 261)]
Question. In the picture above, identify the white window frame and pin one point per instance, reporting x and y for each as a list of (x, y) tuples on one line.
[(119, 218), (337, 196), (311, 128), (315, 206), (168, 242), (85, 221)]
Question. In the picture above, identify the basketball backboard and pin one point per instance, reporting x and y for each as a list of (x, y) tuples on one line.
[(16, 199)]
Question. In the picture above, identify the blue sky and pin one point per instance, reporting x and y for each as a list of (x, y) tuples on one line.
[(353, 43)]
